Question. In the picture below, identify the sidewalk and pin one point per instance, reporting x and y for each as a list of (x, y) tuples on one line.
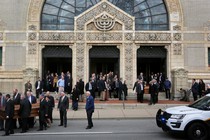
[(114, 109)]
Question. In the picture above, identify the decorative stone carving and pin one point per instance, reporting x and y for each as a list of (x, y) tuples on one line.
[(177, 49), (1, 36), (104, 22), (105, 7), (80, 36), (32, 36), (177, 37), (32, 48), (32, 27), (177, 28), (80, 59), (152, 36), (128, 64), (128, 36), (104, 36), (54, 36), (173, 5), (34, 10), (208, 38)]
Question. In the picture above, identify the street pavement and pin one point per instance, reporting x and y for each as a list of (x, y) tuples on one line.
[(115, 109)]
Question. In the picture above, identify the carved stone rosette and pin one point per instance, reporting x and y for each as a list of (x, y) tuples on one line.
[(208, 38), (32, 27), (177, 36), (177, 49), (80, 60), (32, 36), (32, 48), (129, 64), (1, 36)]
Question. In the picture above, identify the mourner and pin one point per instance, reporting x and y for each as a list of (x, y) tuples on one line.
[(51, 105), (89, 109), (63, 106), (43, 113), (32, 100), (2, 106), (75, 98), (9, 113), (16, 99), (24, 112)]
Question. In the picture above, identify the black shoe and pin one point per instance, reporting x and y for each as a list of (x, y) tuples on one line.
[(150, 104), (65, 126), (5, 135), (88, 127), (23, 131), (2, 129), (40, 130), (12, 132), (60, 125)]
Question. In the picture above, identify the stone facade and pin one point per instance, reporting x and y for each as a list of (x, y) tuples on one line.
[(181, 41)]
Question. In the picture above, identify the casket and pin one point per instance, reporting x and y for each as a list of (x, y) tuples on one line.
[(34, 111)]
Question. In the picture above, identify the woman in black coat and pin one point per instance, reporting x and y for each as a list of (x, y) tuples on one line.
[(201, 88), (75, 98)]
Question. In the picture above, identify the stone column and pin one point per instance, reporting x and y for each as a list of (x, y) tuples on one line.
[(80, 62), (129, 64), (179, 80), (168, 61), (41, 47), (87, 63)]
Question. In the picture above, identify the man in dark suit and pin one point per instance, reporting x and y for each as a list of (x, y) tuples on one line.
[(32, 100), (81, 85), (24, 112), (51, 105), (140, 91), (39, 87), (89, 87), (101, 88), (43, 113), (63, 106), (16, 99), (2, 106), (9, 112), (68, 83), (89, 109), (194, 89)]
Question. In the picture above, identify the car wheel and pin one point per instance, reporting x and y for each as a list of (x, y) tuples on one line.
[(197, 131)]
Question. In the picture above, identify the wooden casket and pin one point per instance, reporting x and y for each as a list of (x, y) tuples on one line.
[(34, 111)]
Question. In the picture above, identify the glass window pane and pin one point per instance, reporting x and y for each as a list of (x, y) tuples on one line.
[(72, 2), (49, 27), (159, 27), (160, 19), (49, 19), (140, 7), (68, 7), (154, 2), (48, 9), (55, 2), (143, 20), (80, 3), (158, 10), (64, 21), (65, 27), (143, 27), (64, 13), (138, 1)]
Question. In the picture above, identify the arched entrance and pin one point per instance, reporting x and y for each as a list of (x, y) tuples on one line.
[(104, 59), (56, 59), (151, 59)]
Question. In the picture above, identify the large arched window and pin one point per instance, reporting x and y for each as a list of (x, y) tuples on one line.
[(149, 14)]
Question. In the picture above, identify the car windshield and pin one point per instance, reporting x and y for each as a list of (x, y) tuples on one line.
[(202, 104)]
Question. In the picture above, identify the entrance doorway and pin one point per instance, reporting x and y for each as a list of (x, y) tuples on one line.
[(56, 59), (104, 59), (151, 59)]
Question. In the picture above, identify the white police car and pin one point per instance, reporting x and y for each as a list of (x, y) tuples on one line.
[(193, 120)]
